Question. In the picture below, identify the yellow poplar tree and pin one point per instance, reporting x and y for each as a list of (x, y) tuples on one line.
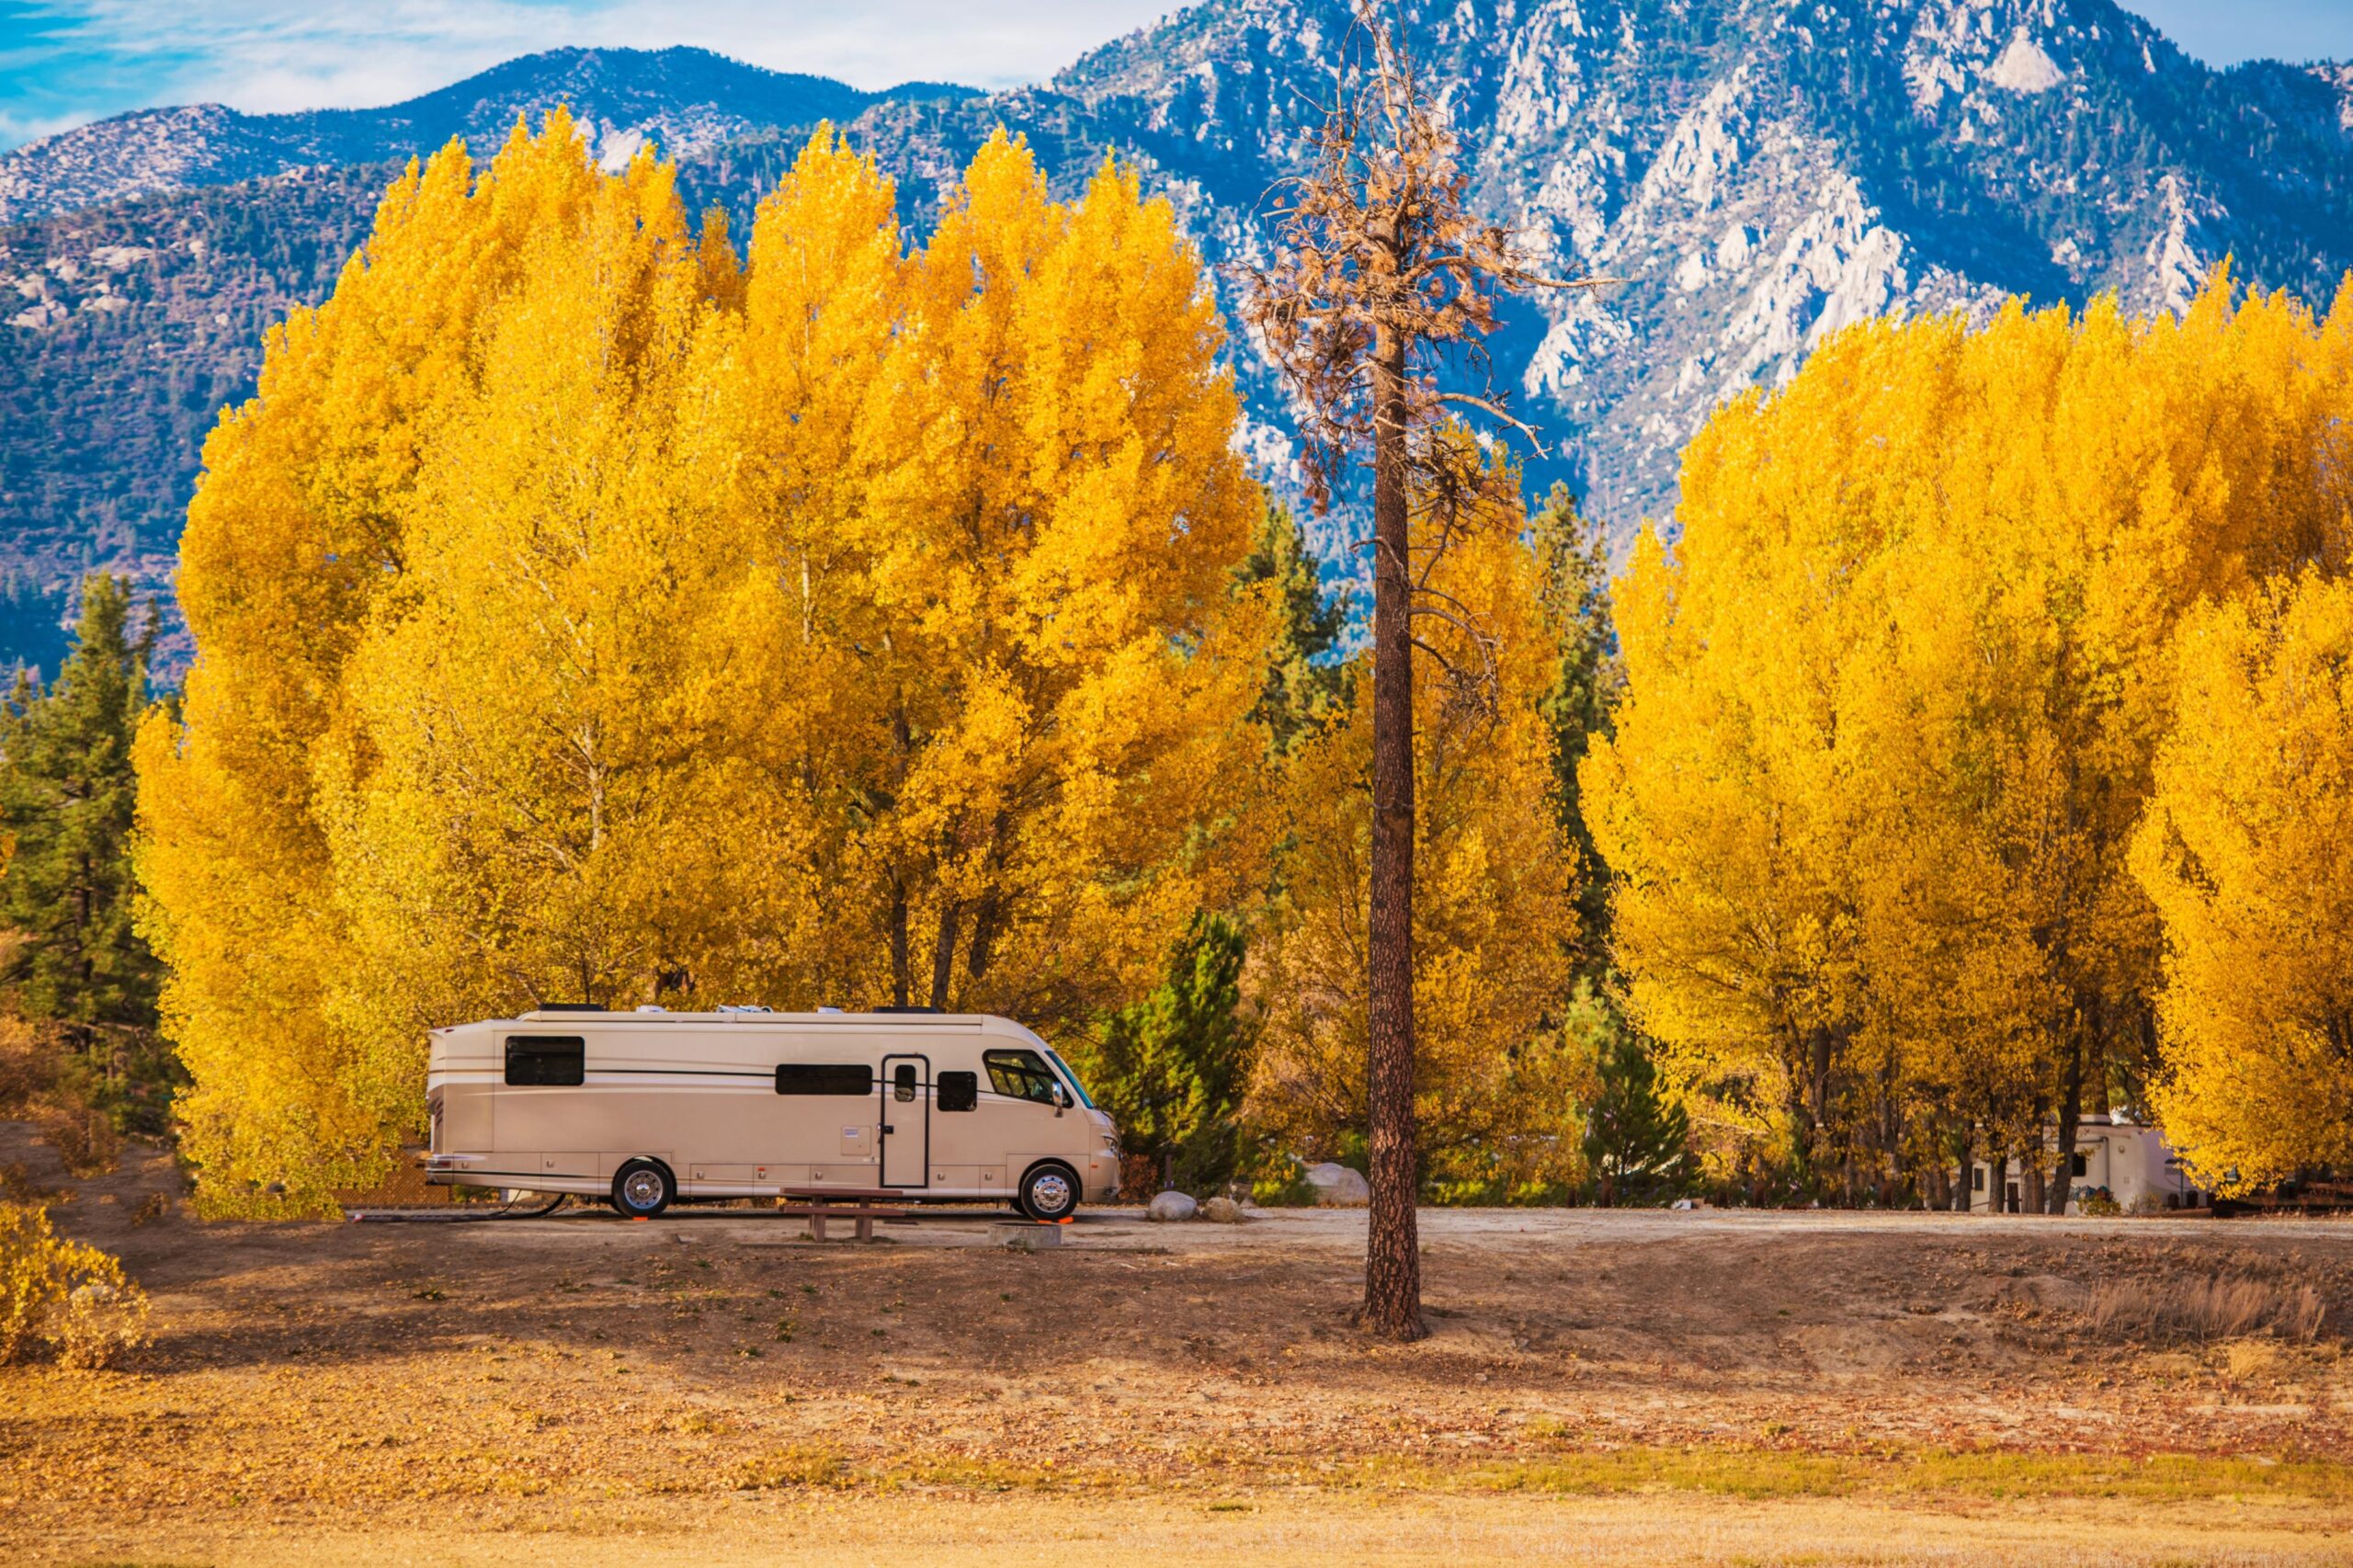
[(2247, 850), (296, 529), (1891, 703), (540, 792), (1009, 519)]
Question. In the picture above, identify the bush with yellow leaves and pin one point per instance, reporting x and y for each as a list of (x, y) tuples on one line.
[(67, 1293)]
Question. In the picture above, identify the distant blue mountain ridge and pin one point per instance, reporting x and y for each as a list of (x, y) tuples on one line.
[(685, 100)]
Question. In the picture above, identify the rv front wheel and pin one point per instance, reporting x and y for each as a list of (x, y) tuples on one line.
[(1049, 1193), (642, 1189)]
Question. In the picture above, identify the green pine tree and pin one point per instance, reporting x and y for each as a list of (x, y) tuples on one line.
[(1635, 1140), (1305, 681), (1172, 1069), (67, 796), (1575, 559)]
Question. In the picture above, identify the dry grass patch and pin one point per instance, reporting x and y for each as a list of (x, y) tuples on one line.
[(1981, 1474), (2206, 1310), (803, 1464), (1759, 1474), (2251, 1357)]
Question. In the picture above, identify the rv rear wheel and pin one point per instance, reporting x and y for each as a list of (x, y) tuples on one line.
[(642, 1188), (1049, 1193)]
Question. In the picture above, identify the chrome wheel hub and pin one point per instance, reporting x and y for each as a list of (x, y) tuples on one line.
[(1051, 1193), (642, 1189)]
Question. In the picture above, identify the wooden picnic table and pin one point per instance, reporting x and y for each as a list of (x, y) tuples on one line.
[(817, 1204)]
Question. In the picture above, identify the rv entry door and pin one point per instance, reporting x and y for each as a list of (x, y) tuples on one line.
[(907, 1121)]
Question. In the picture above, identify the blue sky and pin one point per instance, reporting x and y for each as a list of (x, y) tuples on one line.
[(64, 61)]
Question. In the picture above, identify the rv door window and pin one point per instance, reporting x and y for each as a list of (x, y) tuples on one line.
[(1019, 1074), (823, 1079), (903, 1083), (960, 1091), (543, 1059)]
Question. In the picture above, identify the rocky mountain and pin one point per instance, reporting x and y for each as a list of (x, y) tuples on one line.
[(1762, 172), (685, 100)]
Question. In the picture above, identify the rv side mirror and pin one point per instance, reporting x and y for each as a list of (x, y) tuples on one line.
[(1061, 1099)]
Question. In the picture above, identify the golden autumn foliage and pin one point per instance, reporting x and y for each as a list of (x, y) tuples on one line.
[(1494, 922), (586, 614), (1892, 701), (66, 1293), (2247, 851)]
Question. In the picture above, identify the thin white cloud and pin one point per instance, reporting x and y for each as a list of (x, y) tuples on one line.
[(267, 56), (16, 128)]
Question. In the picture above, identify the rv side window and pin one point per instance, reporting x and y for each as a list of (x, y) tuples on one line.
[(823, 1079), (1019, 1074), (903, 1083), (958, 1090), (540, 1060)]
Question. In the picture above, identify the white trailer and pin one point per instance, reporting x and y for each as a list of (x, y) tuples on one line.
[(2131, 1164), (650, 1107)]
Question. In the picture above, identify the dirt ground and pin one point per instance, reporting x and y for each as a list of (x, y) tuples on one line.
[(1599, 1387)]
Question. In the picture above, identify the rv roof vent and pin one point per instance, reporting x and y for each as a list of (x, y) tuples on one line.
[(745, 1007), (908, 1009), (650, 1007), (569, 1007), (829, 1009)]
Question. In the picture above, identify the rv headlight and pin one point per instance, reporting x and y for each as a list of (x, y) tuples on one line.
[(1111, 1142)]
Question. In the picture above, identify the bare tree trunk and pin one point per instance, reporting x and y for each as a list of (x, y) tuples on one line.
[(943, 954), (2071, 1111), (1961, 1186), (901, 978), (1393, 1265), (1819, 1056), (982, 950)]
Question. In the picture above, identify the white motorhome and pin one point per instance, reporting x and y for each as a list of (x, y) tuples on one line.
[(652, 1107)]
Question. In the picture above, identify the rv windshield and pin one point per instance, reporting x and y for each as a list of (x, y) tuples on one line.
[(1070, 1078)]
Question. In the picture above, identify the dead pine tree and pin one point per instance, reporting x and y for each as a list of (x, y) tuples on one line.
[(1381, 273)]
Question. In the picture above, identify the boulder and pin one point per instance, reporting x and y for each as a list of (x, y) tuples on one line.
[(1170, 1206), (1337, 1186), (1222, 1211)]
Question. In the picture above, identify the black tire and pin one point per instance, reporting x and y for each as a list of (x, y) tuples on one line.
[(1049, 1193), (642, 1188)]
